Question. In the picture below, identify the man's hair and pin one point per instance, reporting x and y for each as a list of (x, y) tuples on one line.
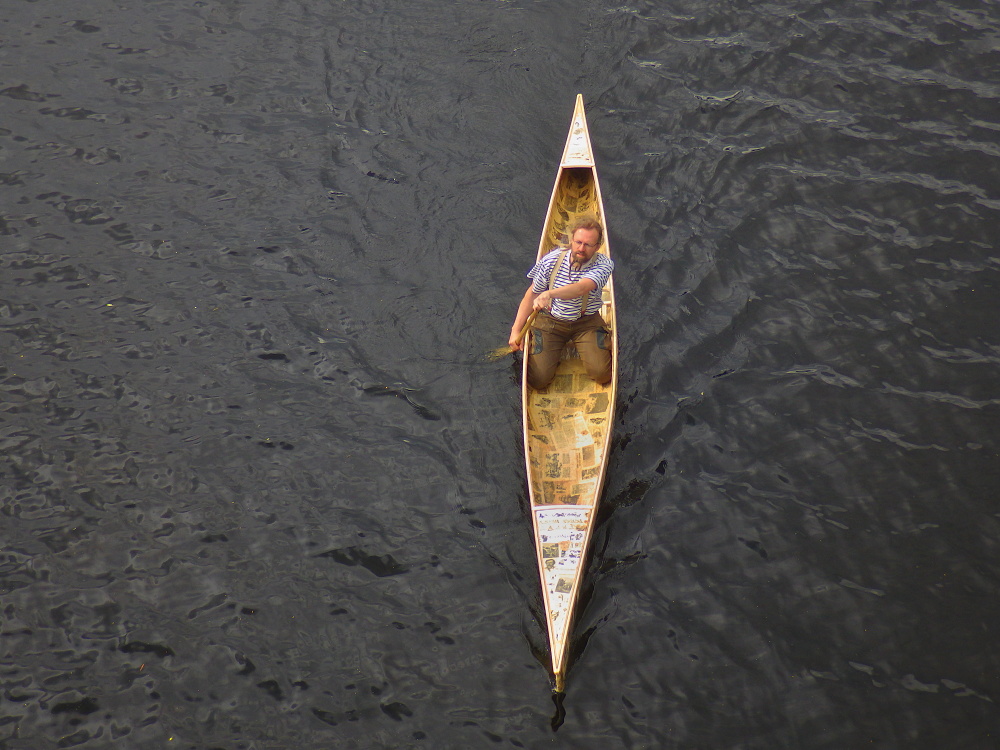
[(585, 222)]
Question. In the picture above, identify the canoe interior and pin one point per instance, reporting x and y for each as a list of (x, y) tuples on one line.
[(576, 194), (567, 433)]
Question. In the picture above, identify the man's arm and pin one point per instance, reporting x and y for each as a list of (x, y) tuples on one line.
[(571, 291), (523, 311)]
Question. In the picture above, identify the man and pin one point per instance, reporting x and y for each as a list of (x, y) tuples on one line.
[(566, 290)]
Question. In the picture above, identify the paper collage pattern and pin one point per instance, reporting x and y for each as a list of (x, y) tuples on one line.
[(566, 440), (562, 534)]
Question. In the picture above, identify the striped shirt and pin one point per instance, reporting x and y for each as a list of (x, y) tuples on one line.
[(598, 268)]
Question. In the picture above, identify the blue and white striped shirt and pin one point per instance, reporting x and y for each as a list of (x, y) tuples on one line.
[(598, 268)]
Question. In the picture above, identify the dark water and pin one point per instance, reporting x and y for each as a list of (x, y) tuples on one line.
[(261, 488)]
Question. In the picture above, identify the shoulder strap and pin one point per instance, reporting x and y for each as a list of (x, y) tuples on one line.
[(555, 267)]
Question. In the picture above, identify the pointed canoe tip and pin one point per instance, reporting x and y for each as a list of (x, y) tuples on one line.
[(578, 152)]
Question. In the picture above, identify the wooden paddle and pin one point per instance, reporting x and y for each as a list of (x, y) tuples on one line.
[(502, 351)]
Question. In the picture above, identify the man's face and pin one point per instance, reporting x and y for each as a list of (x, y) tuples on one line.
[(584, 245)]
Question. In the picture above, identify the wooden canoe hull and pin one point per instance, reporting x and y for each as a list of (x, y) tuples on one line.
[(567, 426)]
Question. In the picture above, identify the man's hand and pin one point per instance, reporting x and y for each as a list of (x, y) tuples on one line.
[(543, 301)]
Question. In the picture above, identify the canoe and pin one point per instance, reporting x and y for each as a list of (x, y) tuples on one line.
[(567, 425)]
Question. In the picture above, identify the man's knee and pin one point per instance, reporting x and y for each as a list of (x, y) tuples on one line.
[(594, 348), (543, 361), (541, 370), (599, 371), (539, 381)]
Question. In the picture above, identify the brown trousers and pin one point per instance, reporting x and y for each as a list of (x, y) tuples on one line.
[(549, 337)]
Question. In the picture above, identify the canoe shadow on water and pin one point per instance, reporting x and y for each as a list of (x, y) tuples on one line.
[(560, 715)]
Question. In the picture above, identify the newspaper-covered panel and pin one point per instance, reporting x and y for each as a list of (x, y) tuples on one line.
[(565, 461), (562, 532)]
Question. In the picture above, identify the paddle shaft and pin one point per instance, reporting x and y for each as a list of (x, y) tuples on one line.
[(527, 325), (552, 278)]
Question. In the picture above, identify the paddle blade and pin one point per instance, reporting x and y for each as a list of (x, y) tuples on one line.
[(499, 353), (502, 351)]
